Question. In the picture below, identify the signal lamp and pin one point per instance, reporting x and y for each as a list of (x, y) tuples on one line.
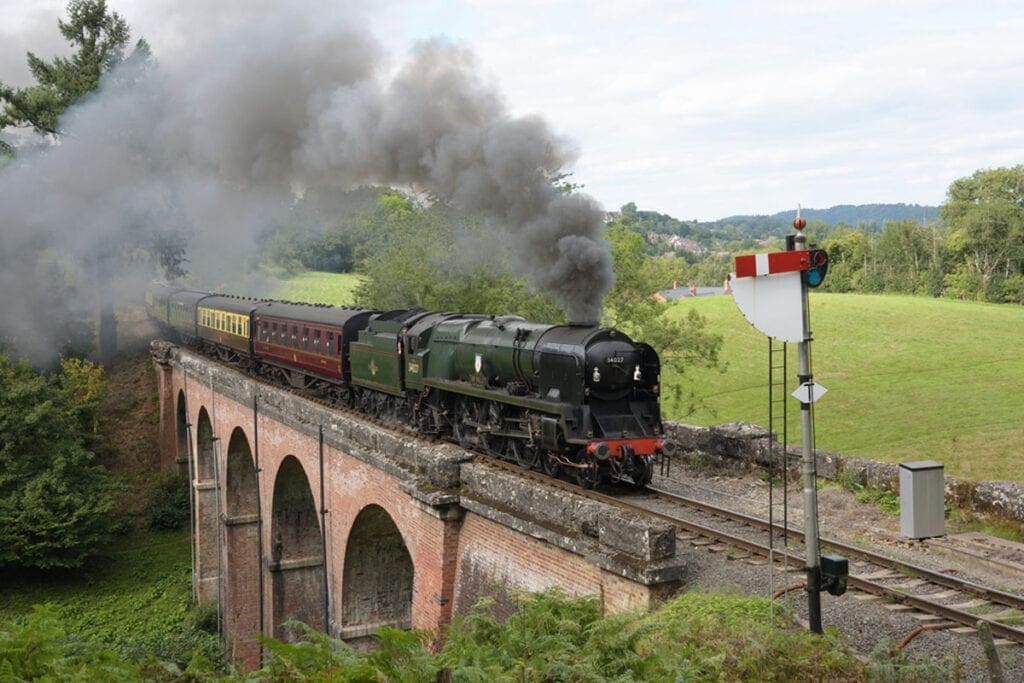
[(814, 275)]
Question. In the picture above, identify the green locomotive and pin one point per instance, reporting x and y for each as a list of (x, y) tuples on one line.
[(576, 399)]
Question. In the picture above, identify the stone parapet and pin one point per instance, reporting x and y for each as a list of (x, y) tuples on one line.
[(745, 446), (631, 545), (432, 466)]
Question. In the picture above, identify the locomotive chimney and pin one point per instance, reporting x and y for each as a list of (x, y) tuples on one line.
[(583, 323)]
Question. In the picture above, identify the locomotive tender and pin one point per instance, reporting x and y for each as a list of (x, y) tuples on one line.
[(577, 400)]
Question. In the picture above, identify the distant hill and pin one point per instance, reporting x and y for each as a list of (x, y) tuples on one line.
[(666, 233), (867, 217)]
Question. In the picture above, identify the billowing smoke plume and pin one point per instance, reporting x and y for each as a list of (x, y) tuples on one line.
[(215, 146)]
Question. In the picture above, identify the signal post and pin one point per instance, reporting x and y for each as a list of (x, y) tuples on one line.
[(771, 290)]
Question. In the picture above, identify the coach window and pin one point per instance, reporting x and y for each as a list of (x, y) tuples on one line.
[(305, 338), (316, 340), (273, 334), (295, 336)]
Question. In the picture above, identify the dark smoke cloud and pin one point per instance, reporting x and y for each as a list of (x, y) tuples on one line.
[(216, 144)]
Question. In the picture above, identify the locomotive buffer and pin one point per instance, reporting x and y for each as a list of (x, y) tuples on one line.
[(771, 292)]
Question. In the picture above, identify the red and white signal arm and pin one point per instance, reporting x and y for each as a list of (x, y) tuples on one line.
[(767, 289)]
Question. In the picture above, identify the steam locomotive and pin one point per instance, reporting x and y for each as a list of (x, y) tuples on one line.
[(573, 400)]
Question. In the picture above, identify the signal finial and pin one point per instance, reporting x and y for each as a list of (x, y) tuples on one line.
[(799, 223)]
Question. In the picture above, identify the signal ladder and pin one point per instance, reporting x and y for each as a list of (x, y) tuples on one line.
[(778, 400)]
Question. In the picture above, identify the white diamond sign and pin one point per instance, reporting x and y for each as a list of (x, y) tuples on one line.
[(809, 392)]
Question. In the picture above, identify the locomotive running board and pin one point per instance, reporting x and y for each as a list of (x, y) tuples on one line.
[(502, 396)]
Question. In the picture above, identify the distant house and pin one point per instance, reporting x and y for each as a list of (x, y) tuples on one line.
[(677, 243), (685, 244), (679, 292)]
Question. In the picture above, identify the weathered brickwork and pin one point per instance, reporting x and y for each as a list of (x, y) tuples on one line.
[(495, 563), (168, 406), (305, 513)]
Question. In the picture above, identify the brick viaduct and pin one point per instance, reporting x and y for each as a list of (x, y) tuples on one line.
[(302, 512)]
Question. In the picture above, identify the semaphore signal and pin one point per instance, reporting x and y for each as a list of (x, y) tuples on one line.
[(771, 292)]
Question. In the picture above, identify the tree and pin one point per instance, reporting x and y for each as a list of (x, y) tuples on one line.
[(413, 266), (986, 212), (631, 307), (100, 38), (55, 502), (902, 252), (167, 248), (849, 251)]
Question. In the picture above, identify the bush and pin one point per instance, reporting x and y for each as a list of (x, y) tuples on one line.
[(37, 648), (167, 507)]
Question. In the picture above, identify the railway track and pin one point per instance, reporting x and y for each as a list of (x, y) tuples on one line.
[(952, 600)]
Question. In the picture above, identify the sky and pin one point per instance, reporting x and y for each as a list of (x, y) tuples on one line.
[(697, 109)]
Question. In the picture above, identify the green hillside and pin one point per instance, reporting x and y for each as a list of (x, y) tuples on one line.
[(908, 378), (335, 289)]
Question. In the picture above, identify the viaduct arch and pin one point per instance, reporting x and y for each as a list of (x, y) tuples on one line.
[(303, 513)]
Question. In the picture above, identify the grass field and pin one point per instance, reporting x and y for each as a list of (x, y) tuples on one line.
[(319, 288), (908, 378)]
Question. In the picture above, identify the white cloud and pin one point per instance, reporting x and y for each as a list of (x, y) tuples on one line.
[(705, 109)]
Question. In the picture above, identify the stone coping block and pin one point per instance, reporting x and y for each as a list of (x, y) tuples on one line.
[(576, 517), (745, 445)]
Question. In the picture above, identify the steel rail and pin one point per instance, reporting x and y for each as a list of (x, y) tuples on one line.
[(993, 595), (918, 602)]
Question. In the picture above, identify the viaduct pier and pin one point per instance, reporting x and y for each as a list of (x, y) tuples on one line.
[(303, 512)]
